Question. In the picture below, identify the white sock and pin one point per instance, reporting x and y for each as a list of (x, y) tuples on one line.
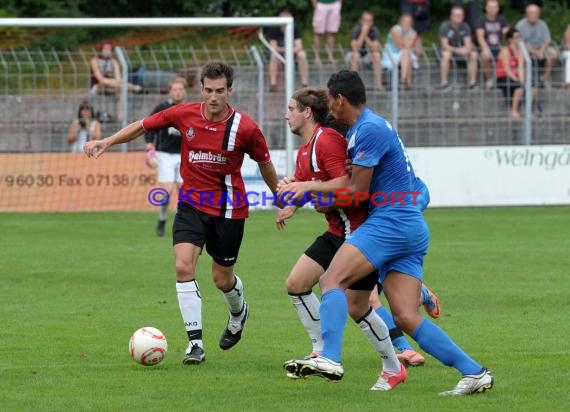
[(163, 212), (378, 334), (190, 302), (307, 307), (234, 298)]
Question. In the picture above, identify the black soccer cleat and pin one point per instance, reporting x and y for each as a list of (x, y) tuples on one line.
[(229, 339), (160, 227), (194, 356)]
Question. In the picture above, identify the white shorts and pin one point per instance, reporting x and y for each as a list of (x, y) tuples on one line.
[(168, 167), (326, 17)]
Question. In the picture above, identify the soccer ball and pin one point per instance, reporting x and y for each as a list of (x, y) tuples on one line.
[(148, 346)]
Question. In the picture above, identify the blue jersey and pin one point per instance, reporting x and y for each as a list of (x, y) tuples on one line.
[(373, 143)]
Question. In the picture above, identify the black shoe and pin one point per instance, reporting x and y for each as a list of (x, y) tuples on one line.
[(229, 339), (160, 227), (194, 356), (444, 87)]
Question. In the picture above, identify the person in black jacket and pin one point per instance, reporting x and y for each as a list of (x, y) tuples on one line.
[(163, 149)]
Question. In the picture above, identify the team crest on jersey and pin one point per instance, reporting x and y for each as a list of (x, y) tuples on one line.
[(190, 133)]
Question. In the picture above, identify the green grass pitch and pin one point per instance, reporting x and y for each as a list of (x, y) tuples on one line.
[(73, 287)]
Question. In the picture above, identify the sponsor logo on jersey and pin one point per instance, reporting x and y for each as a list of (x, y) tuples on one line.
[(206, 157)]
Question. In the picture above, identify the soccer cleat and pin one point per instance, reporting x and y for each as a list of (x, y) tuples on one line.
[(194, 355), (233, 331), (431, 303), (388, 381), (471, 384), (292, 368), (411, 358), (320, 366), (160, 228)]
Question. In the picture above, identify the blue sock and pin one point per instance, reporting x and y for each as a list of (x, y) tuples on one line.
[(400, 342), (333, 312), (437, 343)]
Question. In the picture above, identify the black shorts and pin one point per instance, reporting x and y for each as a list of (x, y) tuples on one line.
[(323, 250), (221, 236)]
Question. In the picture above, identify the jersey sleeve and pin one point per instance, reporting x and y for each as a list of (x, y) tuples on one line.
[(370, 144), (257, 146), (159, 120), (331, 154)]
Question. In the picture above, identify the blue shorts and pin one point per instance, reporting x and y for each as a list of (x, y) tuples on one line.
[(393, 243)]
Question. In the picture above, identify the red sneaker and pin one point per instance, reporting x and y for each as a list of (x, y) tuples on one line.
[(387, 381)]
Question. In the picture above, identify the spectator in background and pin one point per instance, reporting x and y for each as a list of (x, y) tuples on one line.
[(163, 149), (326, 19), (566, 51), (420, 12), (511, 73), (106, 76), (83, 129), (276, 38), (365, 45), (400, 42), (455, 42), (536, 36), (472, 10), (490, 29)]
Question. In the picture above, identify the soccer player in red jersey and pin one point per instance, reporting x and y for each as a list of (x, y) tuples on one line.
[(320, 166), (211, 207)]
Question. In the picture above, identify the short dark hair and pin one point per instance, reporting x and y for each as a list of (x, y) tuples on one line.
[(316, 99), (350, 85), (217, 70)]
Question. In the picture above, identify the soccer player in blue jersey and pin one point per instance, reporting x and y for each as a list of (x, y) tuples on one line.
[(393, 240)]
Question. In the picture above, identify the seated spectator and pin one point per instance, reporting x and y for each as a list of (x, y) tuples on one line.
[(106, 76), (366, 47), (83, 129), (490, 29), (326, 19), (276, 37), (420, 12), (511, 72), (566, 51), (456, 44), (400, 44), (536, 36)]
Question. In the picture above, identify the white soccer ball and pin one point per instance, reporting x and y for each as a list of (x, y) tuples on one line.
[(148, 346)]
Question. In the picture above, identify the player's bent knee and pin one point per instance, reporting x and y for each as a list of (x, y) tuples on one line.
[(407, 320), (294, 284), (184, 270), (223, 277)]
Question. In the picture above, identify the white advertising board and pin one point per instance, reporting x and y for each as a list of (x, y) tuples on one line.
[(476, 176)]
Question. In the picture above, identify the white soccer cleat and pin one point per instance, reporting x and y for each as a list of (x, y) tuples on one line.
[(388, 381), (320, 366), (293, 369), (471, 384)]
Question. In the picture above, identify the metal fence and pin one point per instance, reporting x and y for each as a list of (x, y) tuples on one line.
[(40, 91)]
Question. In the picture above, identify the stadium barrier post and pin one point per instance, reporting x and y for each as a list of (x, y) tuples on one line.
[(527, 137), (394, 85), (260, 84)]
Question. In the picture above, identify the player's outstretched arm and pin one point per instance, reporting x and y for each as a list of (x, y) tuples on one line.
[(283, 215), (269, 175), (297, 190), (96, 148)]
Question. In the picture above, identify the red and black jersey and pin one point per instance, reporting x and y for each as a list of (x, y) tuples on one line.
[(321, 159), (212, 154)]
